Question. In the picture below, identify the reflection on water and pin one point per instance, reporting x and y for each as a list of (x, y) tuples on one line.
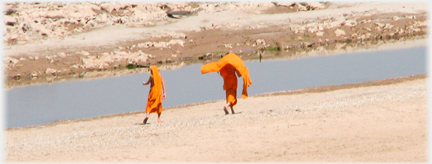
[(42, 104)]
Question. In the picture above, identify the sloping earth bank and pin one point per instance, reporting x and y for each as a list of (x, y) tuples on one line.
[(48, 42)]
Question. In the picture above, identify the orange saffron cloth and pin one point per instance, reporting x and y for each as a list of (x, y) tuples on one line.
[(154, 101), (230, 80)]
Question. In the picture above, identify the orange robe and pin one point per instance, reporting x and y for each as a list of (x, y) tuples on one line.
[(224, 66), (154, 101), (230, 83)]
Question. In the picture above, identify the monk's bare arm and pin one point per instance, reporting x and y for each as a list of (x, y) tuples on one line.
[(163, 88), (236, 72), (148, 81)]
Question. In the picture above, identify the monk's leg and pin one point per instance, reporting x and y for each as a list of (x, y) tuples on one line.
[(230, 99), (232, 110), (159, 120), (146, 118), (226, 107)]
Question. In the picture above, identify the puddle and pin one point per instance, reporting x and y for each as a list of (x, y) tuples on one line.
[(47, 103)]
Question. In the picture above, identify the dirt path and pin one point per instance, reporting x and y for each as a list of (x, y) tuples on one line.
[(380, 121)]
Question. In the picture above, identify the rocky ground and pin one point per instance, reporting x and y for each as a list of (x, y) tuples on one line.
[(47, 42)]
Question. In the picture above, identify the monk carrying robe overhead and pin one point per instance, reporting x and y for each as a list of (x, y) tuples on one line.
[(228, 67), (156, 94)]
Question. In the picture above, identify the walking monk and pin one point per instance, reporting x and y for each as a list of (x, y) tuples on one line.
[(228, 67), (155, 97)]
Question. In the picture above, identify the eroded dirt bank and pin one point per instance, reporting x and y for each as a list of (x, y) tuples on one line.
[(106, 38)]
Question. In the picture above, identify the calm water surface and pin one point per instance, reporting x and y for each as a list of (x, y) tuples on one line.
[(42, 104)]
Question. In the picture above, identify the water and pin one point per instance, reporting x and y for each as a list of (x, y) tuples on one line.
[(42, 104)]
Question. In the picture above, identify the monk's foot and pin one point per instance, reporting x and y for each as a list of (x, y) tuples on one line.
[(145, 120), (226, 111), (160, 121)]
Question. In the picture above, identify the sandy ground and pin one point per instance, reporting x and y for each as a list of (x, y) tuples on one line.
[(380, 121)]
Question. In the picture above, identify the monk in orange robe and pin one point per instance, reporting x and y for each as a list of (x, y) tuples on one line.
[(230, 67), (156, 94)]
